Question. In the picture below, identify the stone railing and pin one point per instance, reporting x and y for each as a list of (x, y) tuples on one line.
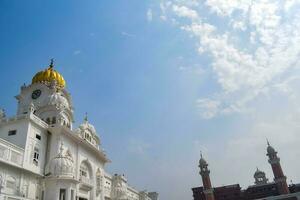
[(85, 180), (11, 197), (10, 153), (15, 118), (37, 120), (32, 116)]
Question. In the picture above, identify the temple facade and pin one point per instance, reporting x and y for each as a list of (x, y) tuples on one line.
[(43, 157)]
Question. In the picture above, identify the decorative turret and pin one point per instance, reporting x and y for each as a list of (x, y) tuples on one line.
[(279, 177), (204, 172), (119, 187), (260, 177), (88, 132)]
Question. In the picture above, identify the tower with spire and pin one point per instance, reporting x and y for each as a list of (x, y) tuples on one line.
[(204, 172), (279, 177), (47, 98)]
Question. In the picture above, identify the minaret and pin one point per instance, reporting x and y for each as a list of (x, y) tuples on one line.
[(204, 172), (279, 177)]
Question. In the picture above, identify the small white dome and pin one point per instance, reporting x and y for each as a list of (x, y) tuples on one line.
[(62, 164), (87, 126), (59, 100)]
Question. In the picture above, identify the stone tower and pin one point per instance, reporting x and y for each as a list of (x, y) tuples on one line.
[(279, 177), (204, 172)]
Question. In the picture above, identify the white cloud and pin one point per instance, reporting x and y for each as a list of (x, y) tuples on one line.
[(149, 15), (245, 68), (226, 8), (77, 52), (254, 51), (183, 11), (290, 3), (209, 108)]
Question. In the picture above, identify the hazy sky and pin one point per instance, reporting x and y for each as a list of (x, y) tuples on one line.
[(162, 80)]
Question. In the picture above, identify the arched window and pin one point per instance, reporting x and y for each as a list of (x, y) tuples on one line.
[(53, 120), (88, 136), (83, 170), (36, 155)]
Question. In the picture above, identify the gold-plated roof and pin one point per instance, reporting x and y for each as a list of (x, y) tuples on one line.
[(48, 75)]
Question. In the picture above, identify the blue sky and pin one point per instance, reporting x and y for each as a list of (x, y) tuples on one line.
[(162, 80)]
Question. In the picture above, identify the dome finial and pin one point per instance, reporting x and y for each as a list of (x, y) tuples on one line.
[(51, 63), (201, 156)]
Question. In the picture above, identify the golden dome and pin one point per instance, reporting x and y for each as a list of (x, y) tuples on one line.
[(48, 75)]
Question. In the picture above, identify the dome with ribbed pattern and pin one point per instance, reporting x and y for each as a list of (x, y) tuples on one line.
[(48, 76)]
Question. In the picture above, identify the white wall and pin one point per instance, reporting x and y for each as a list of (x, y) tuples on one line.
[(33, 142), (26, 185), (22, 128)]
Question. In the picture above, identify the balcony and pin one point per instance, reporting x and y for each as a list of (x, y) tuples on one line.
[(85, 183), (10, 153)]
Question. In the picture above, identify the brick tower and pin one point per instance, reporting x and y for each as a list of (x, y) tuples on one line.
[(204, 172), (279, 177)]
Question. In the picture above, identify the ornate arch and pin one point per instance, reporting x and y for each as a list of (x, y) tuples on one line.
[(86, 166)]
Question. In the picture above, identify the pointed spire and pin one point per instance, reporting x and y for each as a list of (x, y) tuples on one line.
[(51, 63), (202, 161), (268, 142), (86, 117)]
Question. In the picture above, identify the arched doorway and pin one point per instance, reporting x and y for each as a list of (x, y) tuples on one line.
[(86, 178)]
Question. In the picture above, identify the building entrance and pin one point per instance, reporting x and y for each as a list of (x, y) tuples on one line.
[(80, 198)]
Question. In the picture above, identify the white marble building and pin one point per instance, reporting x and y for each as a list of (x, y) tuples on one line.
[(42, 157)]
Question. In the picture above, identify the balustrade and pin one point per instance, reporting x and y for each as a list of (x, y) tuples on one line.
[(10, 153), (85, 180)]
